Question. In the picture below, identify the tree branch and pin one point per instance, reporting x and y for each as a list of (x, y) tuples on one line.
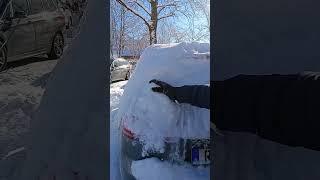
[(121, 2), (143, 7), (161, 9), (166, 16), (166, 5), (163, 6)]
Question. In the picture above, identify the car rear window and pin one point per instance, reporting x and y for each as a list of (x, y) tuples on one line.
[(124, 63), (120, 63)]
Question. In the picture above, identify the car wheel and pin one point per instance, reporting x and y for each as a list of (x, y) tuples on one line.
[(3, 57), (70, 22), (57, 46), (128, 75)]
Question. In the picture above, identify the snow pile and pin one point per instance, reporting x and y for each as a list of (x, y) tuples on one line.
[(116, 90), (153, 116), (21, 89), (157, 170)]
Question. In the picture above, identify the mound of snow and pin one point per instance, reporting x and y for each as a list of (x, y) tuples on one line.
[(153, 116)]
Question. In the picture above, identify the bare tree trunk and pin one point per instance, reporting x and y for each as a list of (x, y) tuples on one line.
[(153, 35), (154, 22), (122, 29), (153, 13)]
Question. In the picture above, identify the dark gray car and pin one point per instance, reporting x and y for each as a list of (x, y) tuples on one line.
[(30, 28), (119, 69)]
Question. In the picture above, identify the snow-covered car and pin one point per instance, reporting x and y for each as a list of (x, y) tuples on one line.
[(152, 126), (119, 70)]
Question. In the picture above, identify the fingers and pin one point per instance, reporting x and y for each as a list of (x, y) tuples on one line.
[(159, 83), (154, 81), (157, 89)]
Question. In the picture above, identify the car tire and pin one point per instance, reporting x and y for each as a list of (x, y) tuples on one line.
[(70, 24), (57, 46), (3, 57), (127, 75)]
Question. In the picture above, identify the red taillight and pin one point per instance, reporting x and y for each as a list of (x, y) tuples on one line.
[(127, 133)]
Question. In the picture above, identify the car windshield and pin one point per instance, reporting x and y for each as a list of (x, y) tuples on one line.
[(119, 62)]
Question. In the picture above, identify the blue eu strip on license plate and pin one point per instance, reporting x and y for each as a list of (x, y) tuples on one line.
[(195, 154)]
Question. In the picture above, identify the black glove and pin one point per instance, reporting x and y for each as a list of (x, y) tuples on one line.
[(164, 88)]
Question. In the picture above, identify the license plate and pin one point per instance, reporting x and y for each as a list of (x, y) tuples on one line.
[(200, 153)]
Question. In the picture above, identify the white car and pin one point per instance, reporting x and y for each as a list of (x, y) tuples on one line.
[(119, 70)]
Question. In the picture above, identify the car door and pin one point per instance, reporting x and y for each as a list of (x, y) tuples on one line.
[(124, 69), (21, 35), (116, 71), (51, 21), (36, 14)]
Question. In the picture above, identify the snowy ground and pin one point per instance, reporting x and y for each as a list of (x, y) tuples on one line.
[(21, 89)]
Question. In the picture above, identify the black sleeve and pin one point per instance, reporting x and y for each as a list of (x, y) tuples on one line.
[(196, 95)]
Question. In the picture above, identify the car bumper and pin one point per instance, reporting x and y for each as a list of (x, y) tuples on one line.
[(131, 150)]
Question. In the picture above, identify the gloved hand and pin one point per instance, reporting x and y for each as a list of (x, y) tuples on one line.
[(164, 88)]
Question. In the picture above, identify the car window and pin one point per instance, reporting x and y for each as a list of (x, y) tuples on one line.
[(20, 5), (5, 10), (49, 5), (116, 63), (122, 62), (125, 63), (36, 6)]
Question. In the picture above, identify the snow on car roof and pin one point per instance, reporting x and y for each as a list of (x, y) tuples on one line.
[(153, 116)]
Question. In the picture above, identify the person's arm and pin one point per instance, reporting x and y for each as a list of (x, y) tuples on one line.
[(196, 95)]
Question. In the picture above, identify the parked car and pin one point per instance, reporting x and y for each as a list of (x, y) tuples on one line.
[(119, 70), (148, 119), (30, 28)]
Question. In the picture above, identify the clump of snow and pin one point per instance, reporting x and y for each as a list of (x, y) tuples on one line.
[(152, 116), (157, 170)]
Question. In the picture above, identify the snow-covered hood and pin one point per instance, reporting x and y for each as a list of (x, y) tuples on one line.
[(153, 116)]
